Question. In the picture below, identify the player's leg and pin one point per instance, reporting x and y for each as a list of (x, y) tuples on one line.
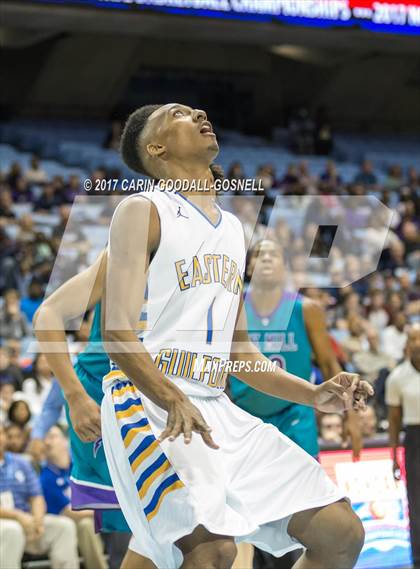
[(207, 551), (332, 535)]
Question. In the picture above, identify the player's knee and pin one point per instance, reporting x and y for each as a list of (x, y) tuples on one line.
[(348, 539), (226, 554), (356, 536)]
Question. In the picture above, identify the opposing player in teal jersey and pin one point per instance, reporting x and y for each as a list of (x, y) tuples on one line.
[(91, 486), (289, 329)]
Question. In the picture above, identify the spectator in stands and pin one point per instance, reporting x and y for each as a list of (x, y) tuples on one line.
[(330, 179), (306, 179), (37, 387), (97, 175), (24, 525), (291, 180), (8, 370), (368, 422), (64, 213), (236, 172), (396, 256), (72, 189), (7, 392), (14, 174), (410, 234), (20, 414), (55, 481), (26, 232), (35, 174), (13, 323), (21, 192), (247, 213), (378, 317), (413, 179), (283, 233), (331, 429), (9, 266), (264, 177), (394, 302), (6, 205), (17, 438), (366, 176), (48, 199), (59, 188), (370, 362), (394, 337), (403, 400), (395, 178), (356, 341), (30, 303), (348, 305)]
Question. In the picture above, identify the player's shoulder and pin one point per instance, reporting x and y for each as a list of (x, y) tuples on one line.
[(133, 208), (311, 307)]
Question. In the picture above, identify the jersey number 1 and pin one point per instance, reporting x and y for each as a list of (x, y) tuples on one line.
[(210, 323)]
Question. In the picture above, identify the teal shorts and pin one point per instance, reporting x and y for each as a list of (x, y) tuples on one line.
[(91, 485), (298, 422)]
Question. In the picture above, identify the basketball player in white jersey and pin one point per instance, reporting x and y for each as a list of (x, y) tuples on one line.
[(193, 473)]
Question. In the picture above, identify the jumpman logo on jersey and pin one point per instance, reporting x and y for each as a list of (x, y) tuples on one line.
[(180, 214)]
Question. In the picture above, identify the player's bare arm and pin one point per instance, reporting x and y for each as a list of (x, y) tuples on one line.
[(338, 394), (134, 237), (50, 321), (316, 328)]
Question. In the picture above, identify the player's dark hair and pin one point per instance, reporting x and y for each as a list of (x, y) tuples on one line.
[(132, 131)]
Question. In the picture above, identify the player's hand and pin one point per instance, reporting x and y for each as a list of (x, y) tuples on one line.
[(184, 418), (343, 392), (36, 449), (85, 416)]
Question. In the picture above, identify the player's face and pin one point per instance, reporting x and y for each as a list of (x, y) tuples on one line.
[(266, 266), (184, 133)]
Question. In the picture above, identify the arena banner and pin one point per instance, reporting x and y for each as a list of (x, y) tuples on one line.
[(395, 16), (378, 500)]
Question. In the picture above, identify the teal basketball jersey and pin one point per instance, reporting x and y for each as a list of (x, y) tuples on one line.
[(282, 337), (94, 360)]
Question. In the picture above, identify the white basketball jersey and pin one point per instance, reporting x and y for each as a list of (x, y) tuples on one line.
[(194, 286)]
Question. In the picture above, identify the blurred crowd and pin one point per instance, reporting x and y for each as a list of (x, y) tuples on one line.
[(367, 319)]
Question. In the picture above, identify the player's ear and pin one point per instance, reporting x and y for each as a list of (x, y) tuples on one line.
[(155, 150)]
